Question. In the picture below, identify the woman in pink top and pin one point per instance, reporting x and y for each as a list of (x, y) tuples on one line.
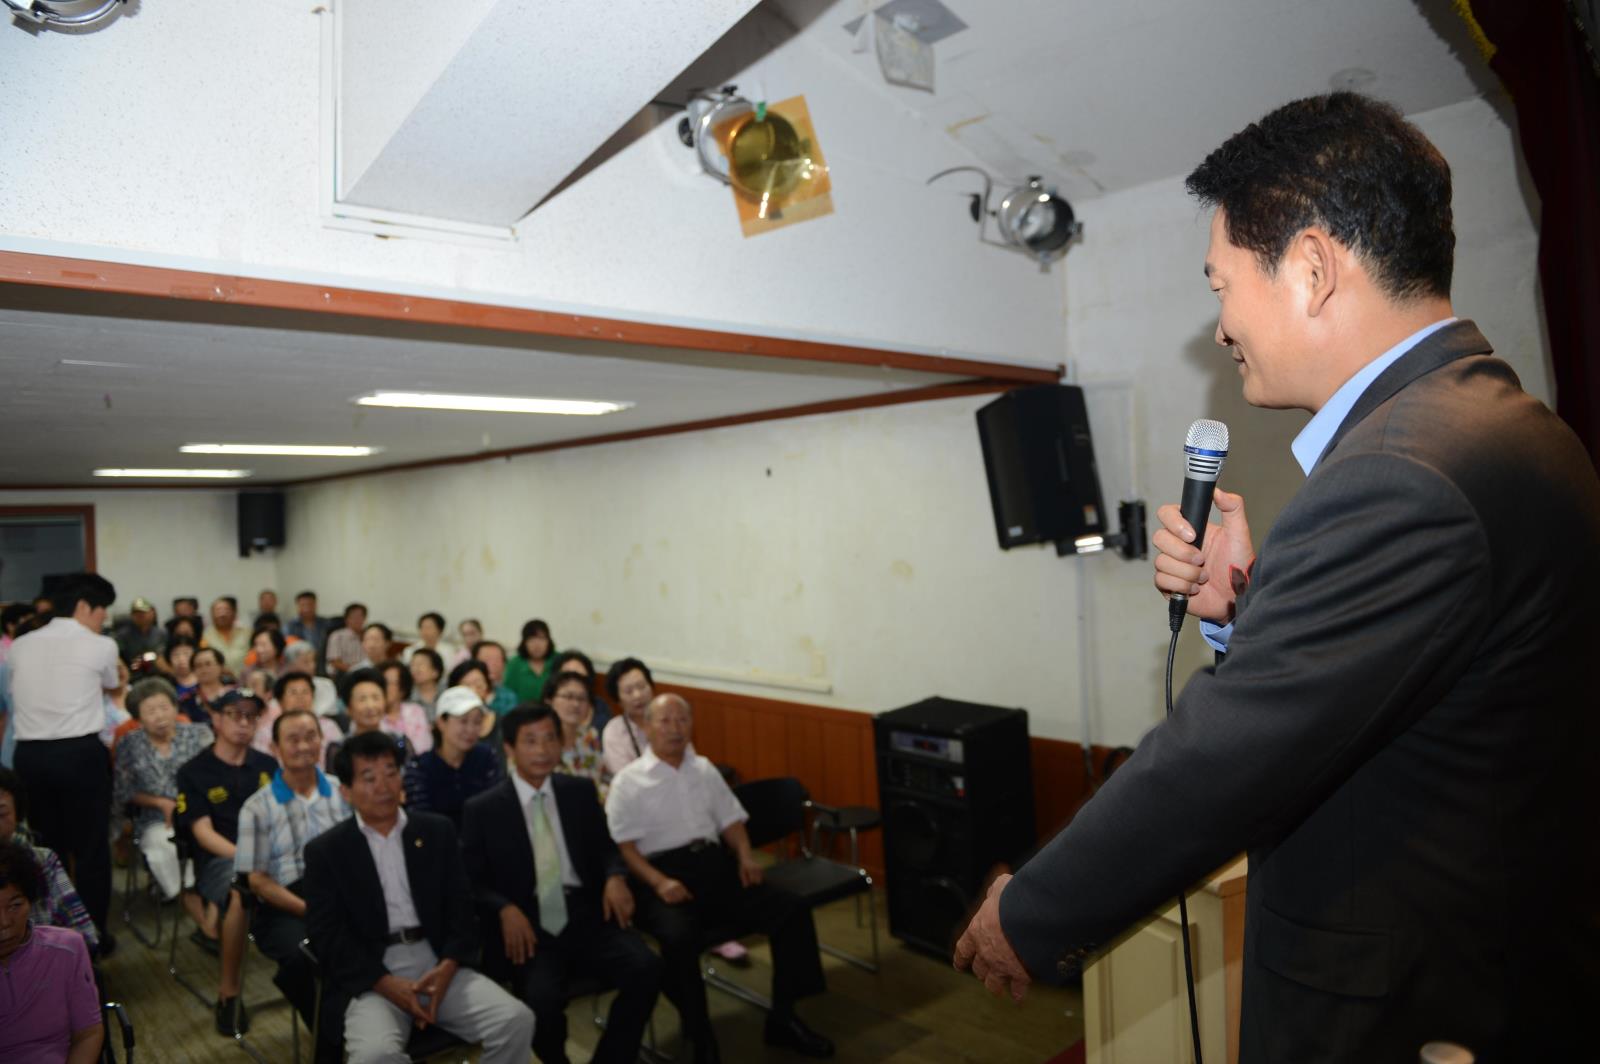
[(49, 1005), (401, 716)]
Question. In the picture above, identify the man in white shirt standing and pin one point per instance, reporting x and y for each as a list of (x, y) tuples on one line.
[(681, 832), (60, 675)]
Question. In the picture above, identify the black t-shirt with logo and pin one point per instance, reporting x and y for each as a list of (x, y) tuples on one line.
[(209, 786)]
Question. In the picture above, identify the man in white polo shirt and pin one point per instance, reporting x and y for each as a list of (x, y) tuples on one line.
[(59, 678)]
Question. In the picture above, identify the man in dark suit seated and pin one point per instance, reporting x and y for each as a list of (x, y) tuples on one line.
[(549, 878), (389, 910), (681, 832)]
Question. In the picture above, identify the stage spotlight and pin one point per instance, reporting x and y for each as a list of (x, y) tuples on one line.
[(1032, 219), (54, 13)]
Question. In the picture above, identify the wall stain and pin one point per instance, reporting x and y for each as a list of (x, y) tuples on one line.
[(901, 570), (663, 589), (597, 617), (489, 562)]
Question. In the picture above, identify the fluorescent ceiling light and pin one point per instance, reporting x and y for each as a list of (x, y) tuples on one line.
[(498, 404), (203, 474), (294, 449)]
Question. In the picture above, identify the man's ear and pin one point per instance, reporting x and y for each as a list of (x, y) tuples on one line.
[(1317, 257)]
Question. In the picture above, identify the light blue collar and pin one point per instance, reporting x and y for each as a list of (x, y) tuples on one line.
[(285, 794), (1313, 439)]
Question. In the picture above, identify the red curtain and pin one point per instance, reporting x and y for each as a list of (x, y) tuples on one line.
[(1543, 57)]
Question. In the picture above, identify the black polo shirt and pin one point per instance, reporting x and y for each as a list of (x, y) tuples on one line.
[(209, 786)]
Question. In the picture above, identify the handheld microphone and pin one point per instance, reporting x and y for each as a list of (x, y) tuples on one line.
[(1204, 451)]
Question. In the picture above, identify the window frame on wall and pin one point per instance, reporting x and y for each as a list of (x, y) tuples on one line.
[(83, 512)]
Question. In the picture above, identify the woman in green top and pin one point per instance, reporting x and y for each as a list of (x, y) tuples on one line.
[(526, 673)]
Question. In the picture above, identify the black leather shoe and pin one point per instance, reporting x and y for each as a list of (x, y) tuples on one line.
[(792, 1033), (231, 1018)]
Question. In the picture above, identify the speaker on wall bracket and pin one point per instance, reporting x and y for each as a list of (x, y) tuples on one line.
[(260, 521)]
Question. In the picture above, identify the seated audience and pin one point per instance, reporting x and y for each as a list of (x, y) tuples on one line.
[(365, 697), (390, 915), (180, 665), (554, 895), (186, 619), (681, 832), (266, 605), (275, 824), (568, 694), (376, 638), (11, 619), (401, 716), (148, 760), (493, 656), (209, 688), (459, 766), (115, 704), (430, 636), (138, 633), (471, 633), (623, 739), (184, 628), (227, 638), (49, 1003), (212, 787), (474, 676), (292, 693), (302, 658), (56, 901), (254, 681), (266, 652), (343, 650), (577, 661), (525, 673), (427, 679), (306, 626)]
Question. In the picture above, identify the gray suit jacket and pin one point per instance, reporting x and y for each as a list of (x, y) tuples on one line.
[(1403, 736)]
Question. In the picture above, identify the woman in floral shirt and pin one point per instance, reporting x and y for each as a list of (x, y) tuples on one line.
[(568, 694), (146, 783)]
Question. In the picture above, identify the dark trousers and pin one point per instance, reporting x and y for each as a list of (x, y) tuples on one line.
[(588, 948), (723, 909), (278, 935), (69, 806)]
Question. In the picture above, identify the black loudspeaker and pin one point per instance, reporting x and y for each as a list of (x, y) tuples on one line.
[(955, 783), (260, 520), (1043, 482)]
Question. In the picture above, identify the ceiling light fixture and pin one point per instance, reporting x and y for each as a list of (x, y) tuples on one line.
[(294, 450), (493, 404), (171, 474), (62, 12), (1032, 219)]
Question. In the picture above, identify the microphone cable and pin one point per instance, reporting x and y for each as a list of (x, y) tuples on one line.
[(1177, 609)]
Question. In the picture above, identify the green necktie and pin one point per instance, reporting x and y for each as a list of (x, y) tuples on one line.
[(547, 870)]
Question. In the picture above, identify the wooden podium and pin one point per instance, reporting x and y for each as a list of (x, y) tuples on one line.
[(1136, 1008)]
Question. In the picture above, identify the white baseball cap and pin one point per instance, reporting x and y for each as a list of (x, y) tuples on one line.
[(457, 702)]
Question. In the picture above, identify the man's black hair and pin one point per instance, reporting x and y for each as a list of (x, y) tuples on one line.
[(305, 595), (436, 618), (524, 716), (291, 715), (1350, 164), (573, 655), (348, 610), (282, 683), (91, 588), (619, 669), (367, 745), (20, 868)]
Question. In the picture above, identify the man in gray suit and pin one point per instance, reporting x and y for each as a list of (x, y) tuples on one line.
[(1400, 732)]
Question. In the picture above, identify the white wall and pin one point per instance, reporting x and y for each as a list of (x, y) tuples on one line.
[(165, 544), (206, 155)]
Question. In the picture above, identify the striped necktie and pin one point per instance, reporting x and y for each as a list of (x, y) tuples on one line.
[(547, 869)]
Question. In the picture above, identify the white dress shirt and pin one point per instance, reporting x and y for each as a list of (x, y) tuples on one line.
[(389, 854), (660, 808), (525, 799), (59, 676)]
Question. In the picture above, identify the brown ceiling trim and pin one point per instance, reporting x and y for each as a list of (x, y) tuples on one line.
[(91, 275), (953, 390)]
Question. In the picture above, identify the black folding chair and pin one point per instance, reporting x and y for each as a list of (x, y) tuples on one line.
[(111, 1010), (778, 811), (251, 903), (133, 892)]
